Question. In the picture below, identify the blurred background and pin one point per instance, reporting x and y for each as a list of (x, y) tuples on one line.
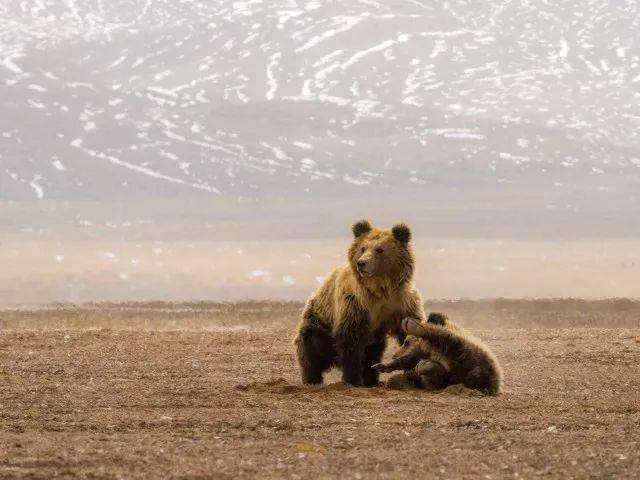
[(190, 149)]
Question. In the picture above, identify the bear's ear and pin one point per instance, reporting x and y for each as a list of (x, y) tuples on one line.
[(401, 233), (360, 228)]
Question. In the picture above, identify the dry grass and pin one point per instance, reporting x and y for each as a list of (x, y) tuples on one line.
[(207, 315)]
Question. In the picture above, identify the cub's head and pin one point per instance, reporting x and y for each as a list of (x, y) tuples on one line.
[(412, 345), (381, 254)]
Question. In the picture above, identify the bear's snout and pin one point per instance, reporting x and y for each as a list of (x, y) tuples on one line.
[(365, 265)]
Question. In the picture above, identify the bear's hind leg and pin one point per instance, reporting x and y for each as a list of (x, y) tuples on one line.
[(316, 352), (432, 374), (372, 355), (408, 380)]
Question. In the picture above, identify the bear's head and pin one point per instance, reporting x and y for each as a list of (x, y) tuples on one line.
[(380, 255)]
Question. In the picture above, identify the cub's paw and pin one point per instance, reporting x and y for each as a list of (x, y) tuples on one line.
[(405, 323), (412, 326), (382, 367)]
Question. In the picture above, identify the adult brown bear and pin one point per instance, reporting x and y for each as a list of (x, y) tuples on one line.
[(346, 321)]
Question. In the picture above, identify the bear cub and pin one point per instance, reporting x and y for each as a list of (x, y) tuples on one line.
[(439, 353)]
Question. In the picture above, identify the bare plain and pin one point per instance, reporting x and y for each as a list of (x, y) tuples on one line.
[(209, 390)]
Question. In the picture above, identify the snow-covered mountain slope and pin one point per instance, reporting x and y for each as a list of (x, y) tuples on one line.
[(108, 98)]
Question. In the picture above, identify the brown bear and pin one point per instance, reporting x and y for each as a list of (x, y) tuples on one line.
[(439, 353), (346, 321)]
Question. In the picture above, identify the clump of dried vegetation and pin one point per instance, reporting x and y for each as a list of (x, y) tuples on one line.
[(258, 314)]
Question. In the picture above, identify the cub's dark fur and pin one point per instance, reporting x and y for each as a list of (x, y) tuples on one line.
[(440, 353)]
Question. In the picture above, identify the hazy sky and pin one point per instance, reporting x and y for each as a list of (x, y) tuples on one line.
[(198, 127)]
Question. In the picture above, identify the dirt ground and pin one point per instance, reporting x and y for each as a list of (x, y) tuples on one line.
[(212, 391)]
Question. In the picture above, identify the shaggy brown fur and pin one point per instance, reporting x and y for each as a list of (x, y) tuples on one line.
[(440, 353), (346, 321)]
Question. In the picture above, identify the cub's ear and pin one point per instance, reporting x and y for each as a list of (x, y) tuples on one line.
[(401, 232), (360, 228)]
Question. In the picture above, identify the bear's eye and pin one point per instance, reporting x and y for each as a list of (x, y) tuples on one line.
[(362, 249), (379, 250)]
